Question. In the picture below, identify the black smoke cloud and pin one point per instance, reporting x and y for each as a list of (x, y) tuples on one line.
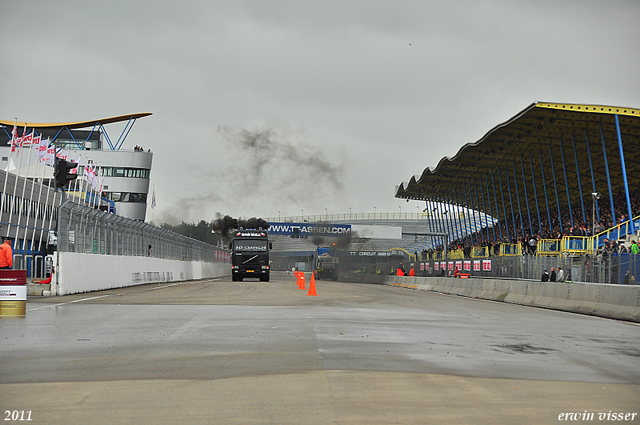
[(225, 224), (341, 242), (260, 172)]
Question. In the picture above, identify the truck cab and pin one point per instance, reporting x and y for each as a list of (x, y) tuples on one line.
[(250, 254)]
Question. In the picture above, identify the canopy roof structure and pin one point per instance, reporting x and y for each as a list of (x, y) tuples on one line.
[(549, 155), (57, 128), (76, 124)]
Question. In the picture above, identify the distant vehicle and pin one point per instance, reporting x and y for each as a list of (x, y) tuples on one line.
[(250, 254), (328, 264)]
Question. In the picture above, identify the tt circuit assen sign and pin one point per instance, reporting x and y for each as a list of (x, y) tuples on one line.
[(309, 229)]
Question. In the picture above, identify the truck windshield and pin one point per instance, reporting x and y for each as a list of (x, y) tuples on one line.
[(251, 245)]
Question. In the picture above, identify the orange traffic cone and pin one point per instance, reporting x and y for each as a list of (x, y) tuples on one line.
[(301, 282), (312, 286)]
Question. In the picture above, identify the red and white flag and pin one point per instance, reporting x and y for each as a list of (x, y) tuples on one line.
[(27, 140), (35, 143), (50, 156), (42, 151), (75, 169)]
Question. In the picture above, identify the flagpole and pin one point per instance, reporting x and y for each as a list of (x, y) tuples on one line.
[(153, 206), (43, 165), (14, 137), (39, 166), (15, 189), (101, 184), (24, 191), (44, 215), (75, 183)]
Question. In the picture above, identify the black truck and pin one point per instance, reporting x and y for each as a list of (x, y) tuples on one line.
[(250, 254)]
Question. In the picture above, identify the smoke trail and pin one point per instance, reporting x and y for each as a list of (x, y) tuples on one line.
[(264, 171), (289, 171)]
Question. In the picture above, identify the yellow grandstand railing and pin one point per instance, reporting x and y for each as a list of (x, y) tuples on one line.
[(456, 254), (549, 247), (411, 255), (438, 255), (510, 249), (577, 244), (480, 252), (590, 244), (616, 231)]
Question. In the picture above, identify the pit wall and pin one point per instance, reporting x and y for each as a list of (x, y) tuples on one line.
[(604, 300), (87, 272)]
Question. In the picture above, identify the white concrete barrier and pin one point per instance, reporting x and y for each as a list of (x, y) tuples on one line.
[(621, 302), (556, 295), (89, 272), (535, 293), (517, 292), (582, 298), (613, 301)]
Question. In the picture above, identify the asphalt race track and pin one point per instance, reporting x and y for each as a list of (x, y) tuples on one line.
[(222, 352)]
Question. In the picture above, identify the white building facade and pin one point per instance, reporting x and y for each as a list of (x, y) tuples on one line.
[(123, 173)]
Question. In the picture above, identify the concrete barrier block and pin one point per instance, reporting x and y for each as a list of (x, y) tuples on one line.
[(488, 289), (619, 302), (623, 295), (500, 290), (556, 295), (441, 284), (517, 292), (462, 287), (582, 297), (535, 293), (449, 285), (476, 287)]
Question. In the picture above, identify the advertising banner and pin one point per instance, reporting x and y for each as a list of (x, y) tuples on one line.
[(486, 265), (13, 293), (309, 229)]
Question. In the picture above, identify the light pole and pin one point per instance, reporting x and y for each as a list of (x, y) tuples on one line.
[(595, 196), (278, 215)]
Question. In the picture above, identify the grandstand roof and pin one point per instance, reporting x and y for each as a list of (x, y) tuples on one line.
[(77, 124), (547, 130)]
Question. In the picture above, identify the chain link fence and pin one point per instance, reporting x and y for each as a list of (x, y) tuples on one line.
[(91, 231), (586, 268), (602, 268)]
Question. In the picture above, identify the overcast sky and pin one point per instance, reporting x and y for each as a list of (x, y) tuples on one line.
[(267, 106)]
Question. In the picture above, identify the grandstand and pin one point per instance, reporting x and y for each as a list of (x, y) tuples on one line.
[(555, 175)]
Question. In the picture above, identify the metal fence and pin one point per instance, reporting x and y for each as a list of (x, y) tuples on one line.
[(91, 231), (591, 269)]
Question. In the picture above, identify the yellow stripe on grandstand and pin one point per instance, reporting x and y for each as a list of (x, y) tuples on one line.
[(598, 109), (77, 124)]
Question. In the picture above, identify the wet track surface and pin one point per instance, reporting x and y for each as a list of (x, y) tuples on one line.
[(348, 351)]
